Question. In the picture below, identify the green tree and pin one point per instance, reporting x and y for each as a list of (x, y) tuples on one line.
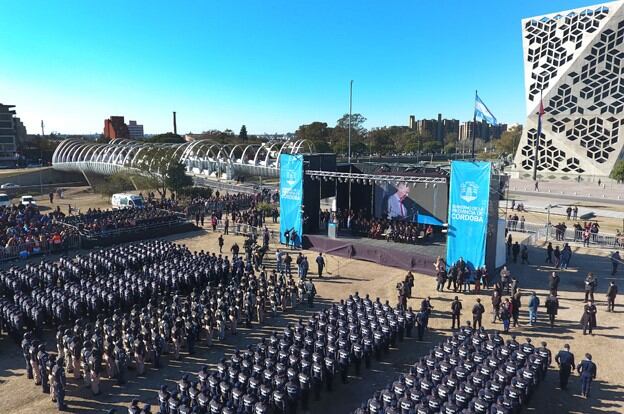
[(116, 183), (151, 167), (156, 168), (315, 131), (357, 124), (381, 140), (167, 138), (618, 171), (431, 146), (451, 138), (38, 147), (339, 136), (411, 147), (339, 146), (449, 148), (242, 135), (509, 141), (176, 178)]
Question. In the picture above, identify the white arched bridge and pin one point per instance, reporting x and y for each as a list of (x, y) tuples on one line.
[(200, 157)]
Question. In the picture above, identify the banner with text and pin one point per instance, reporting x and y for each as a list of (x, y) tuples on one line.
[(291, 197), (469, 196)]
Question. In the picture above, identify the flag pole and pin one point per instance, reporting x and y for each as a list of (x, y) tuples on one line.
[(474, 128)]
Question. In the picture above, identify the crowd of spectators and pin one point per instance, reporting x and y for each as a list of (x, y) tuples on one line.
[(163, 203), (233, 211), (25, 230), (98, 221), (226, 202)]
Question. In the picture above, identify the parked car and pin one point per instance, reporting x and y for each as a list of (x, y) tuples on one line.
[(5, 200), (27, 200), (8, 186)]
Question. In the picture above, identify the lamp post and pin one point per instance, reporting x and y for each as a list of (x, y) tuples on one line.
[(548, 207), (350, 112)]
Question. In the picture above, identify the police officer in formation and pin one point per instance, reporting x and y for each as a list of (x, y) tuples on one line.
[(472, 372), (46, 370), (280, 374), (124, 307)]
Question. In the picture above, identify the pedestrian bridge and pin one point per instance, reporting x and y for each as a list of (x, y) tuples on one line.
[(200, 157)]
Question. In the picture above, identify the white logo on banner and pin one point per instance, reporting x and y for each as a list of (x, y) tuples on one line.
[(469, 191), (291, 180), (289, 192)]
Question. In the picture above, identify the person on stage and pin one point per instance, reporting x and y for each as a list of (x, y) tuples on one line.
[(396, 203)]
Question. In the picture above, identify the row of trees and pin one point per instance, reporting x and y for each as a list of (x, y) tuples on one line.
[(391, 140), (226, 136)]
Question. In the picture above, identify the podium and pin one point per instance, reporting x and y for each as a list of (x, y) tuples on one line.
[(332, 230)]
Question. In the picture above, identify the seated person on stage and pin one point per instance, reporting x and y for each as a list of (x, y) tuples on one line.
[(429, 232)]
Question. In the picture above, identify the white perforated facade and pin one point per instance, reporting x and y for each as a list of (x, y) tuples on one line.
[(575, 59)]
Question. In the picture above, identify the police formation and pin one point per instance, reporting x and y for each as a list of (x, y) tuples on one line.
[(281, 374), (124, 307), (471, 372)]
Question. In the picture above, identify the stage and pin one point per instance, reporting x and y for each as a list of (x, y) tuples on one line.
[(416, 257)]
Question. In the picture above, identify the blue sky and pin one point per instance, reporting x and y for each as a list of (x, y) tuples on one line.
[(271, 65)]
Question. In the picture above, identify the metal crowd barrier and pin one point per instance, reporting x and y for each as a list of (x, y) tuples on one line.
[(245, 229), (126, 230), (75, 241), (26, 250), (215, 206), (571, 235)]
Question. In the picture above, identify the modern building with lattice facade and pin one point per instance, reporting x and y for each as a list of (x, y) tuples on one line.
[(575, 61)]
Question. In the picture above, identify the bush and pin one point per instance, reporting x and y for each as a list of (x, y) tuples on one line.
[(193, 192), (116, 183)]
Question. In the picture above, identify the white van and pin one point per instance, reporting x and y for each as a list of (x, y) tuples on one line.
[(5, 200), (27, 200), (126, 200)]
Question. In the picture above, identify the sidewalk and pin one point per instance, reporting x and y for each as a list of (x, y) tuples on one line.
[(569, 189), (534, 204)]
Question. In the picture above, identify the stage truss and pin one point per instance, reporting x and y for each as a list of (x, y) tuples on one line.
[(371, 179)]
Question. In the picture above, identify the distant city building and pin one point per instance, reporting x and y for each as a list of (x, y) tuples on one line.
[(437, 129), (484, 131), (11, 129), (450, 126), (497, 130), (135, 130), (115, 127), (20, 130)]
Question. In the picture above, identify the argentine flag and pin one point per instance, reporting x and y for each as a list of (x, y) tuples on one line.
[(482, 111)]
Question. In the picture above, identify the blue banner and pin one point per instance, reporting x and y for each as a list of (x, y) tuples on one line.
[(469, 197), (291, 197)]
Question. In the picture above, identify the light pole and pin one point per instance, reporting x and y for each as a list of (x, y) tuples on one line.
[(548, 207), (350, 111)]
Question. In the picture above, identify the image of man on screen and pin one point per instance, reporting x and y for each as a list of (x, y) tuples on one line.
[(396, 203)]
